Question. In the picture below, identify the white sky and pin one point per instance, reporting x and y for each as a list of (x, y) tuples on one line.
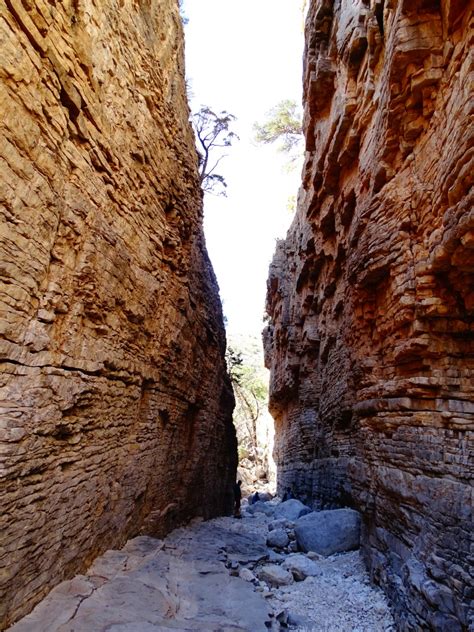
[(245, 57)]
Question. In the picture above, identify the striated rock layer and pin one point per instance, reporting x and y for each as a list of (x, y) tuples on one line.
[(371, 297), (115, 403)]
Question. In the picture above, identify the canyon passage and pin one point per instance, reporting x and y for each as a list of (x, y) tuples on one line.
[(116, 404)]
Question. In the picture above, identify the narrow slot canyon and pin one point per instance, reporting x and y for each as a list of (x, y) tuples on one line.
[(128, 411)]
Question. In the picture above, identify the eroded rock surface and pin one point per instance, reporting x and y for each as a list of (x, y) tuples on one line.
[(370, 297), (115, 406), (191, 580), (177, 584), (328, 532)]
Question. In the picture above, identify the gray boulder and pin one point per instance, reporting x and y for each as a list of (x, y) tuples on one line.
[(280, 523), (274, 557), (278, 538), (298, 621), (328, 532), (261, 506), (301, 567), (247, 575), (275, 575), (291, 509)]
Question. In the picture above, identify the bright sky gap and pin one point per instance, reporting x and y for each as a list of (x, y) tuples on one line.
[(245, 57)]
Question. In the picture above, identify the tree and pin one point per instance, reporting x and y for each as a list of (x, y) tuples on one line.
[(283, 123), (250, 389), (212, 133)]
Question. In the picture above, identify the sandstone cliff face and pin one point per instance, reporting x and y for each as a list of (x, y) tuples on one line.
[(371, 297), (115, 403)]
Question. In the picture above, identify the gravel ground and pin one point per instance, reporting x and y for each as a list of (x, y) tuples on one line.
[(341, 599), (215, 576)]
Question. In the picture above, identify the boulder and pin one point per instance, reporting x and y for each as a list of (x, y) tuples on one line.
[(301, 567), (260, 506), (274, 557), (328, 532), (278, 538), (298, 621), (275, 575), (291, 509), (282, 617), (280, 523), (265, 496), (247, 575)]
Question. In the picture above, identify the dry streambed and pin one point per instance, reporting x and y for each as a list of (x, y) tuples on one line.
[(216, 576)]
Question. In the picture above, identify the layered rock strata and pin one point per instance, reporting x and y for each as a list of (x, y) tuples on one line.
[(116, 407), (371, 296)]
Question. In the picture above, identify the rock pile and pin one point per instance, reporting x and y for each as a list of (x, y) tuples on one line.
[(214, 576), (313, 591)]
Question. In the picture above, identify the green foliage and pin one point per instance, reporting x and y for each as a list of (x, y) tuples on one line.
[(244, 363), (291, 204), (234, 364), (283, 123), (213, 134), (251, 418), (243, 452)]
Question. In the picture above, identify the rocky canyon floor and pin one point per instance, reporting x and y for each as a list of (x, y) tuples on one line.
[(217, 576)]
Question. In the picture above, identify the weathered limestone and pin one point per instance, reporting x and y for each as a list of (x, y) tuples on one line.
[(371, 296), (328, 532), (277, 538), (190, 580), (151, 586), (115, 404), (291, 509), (301, 567)]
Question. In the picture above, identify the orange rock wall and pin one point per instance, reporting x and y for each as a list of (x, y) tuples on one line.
[(115, 404), (371, 296)]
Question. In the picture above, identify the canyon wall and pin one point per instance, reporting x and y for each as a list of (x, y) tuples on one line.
[(370, 298), (115, 403)]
